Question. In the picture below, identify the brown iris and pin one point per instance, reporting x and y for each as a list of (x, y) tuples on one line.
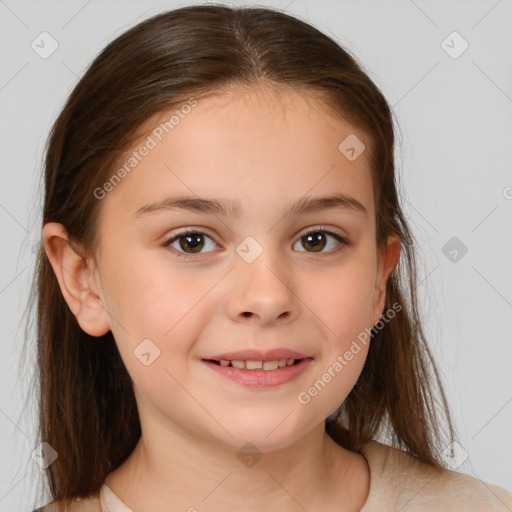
[(192, 241), (315, 240)]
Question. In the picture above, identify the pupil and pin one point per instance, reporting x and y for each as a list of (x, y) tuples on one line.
[(316, 240), (194, 242)]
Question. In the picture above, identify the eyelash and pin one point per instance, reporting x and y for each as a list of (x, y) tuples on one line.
[(342, 241)]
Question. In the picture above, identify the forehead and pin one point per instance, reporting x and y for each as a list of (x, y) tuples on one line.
[(259, 146)]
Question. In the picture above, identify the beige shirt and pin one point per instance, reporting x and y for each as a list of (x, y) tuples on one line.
[(399, 482)]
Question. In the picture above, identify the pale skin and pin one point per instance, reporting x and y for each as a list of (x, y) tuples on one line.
[(266, 150)]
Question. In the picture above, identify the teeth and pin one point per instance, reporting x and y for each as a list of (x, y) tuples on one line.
[(271, 365), (258, 365)]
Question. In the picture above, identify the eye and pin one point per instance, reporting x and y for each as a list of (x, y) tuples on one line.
[(190, 242), (317, 240)]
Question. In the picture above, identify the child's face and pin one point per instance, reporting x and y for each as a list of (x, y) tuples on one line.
[(248, 282)]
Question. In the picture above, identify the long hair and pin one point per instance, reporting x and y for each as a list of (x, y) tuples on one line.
[(86, 405)]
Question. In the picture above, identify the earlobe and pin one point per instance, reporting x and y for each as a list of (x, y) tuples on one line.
[(387, 263), (75, 275)]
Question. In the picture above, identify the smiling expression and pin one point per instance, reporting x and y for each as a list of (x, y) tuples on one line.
[(244, 229)]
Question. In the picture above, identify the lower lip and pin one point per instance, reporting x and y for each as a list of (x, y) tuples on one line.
[(261, 378)]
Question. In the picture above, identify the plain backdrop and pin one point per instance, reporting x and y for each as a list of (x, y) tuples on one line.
[(453, 105)]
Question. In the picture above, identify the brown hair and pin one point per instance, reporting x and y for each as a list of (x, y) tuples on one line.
[(87, 409)]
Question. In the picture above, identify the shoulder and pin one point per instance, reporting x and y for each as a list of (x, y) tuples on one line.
[(401, 481), (90, 504)]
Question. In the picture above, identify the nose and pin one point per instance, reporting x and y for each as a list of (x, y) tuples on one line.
[(263, 291)]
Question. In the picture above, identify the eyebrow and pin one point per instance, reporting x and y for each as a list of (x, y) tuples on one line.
[(233, 208)]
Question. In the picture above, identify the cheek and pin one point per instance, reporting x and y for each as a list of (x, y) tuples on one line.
[(156, 301), (149, 295), (342, 299)]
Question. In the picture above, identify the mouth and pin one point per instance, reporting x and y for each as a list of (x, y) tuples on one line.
[(254, 373), (255, 365)]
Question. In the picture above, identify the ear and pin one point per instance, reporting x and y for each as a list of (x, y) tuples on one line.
[(387, 261), (77, 281)]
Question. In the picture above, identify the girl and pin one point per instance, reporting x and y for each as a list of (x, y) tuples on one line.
[(226, 297)]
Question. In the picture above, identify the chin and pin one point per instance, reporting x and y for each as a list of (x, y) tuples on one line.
[(269, 433)]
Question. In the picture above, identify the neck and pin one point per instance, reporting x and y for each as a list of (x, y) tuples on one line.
[(198, 474)]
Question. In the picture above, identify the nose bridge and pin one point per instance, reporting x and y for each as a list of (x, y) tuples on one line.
[(264, 285), (263, 265)]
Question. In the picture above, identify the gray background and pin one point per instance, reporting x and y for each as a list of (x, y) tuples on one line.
[(454, 159)]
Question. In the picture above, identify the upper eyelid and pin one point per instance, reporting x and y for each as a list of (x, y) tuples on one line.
[(302, 232), (344, 238)]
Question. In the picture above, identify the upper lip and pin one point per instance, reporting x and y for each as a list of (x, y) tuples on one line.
[(259, 355)]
